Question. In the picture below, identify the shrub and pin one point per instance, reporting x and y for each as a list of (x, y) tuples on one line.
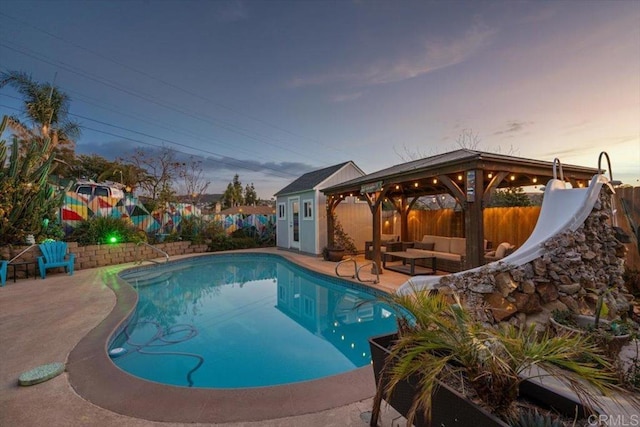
[(99, 230), (222, 242), (191, 228)]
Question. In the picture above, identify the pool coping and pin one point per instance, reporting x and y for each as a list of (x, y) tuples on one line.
[(97, 379)]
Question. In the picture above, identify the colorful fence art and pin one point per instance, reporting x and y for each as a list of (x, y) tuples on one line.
[(80, 207), (234, 222)]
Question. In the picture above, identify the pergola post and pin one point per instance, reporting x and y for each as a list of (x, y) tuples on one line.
[(376, 210), (404, 217), (474, 218), (331, 227)]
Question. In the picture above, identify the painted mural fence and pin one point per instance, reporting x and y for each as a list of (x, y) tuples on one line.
[(261, 226), (81, 207)]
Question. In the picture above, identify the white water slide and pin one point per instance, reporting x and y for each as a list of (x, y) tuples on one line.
[(562, 209)]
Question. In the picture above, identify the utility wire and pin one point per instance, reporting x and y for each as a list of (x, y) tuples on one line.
[(224, 159), (216, 122), (147, 75)]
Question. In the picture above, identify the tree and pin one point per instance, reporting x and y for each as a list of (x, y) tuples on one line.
[(130, 176), (193, 178), (233, 194), (250, 195), (511, 196), (91, 166), (46, 110), (468, 139), (161, 169)]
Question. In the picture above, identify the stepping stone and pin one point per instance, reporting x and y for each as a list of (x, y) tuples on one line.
[(41, 374)]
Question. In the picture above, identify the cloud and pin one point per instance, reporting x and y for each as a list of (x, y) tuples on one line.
[(228, 165), (433, 55), (513, 126)]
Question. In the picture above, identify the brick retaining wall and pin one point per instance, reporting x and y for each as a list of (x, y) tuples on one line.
[(101, 255)]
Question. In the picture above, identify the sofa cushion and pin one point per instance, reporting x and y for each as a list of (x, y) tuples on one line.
[(424, 246), (441, 244), (458, 245)]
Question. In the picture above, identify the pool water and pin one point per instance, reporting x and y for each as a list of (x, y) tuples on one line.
[(245, 320)]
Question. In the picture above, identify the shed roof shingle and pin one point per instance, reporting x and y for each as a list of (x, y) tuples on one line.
[(310, 179)]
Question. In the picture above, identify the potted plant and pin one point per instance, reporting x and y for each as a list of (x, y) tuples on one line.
[(343, 244), (611, 335), (443, 363)]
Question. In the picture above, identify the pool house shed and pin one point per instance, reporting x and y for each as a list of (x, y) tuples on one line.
[(301, 212)]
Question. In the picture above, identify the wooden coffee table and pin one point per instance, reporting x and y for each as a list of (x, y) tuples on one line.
[(411, 257)]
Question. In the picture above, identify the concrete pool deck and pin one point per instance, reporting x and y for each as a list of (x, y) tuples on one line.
[(66, 319)]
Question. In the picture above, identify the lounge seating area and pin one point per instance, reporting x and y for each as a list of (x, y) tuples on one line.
[(449, 252)]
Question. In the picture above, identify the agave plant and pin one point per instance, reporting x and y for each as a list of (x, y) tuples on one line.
[(26, 198), (439, 340)]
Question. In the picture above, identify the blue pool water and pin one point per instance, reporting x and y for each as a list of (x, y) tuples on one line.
[(246, 320)]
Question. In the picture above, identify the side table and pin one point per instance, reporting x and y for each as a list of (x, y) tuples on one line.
[(25, 267)]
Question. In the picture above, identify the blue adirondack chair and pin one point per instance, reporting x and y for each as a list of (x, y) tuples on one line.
[(54, 254), (3, 272)]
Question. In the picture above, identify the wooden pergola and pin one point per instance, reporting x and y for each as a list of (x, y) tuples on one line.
[(467, 175)]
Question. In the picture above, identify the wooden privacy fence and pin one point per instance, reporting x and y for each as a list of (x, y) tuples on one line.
[(512, 224), (630, 197)]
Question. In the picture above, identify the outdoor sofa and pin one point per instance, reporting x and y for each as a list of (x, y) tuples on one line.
[(450, 252)]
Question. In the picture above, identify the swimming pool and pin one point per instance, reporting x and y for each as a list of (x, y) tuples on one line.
[(245, 320)]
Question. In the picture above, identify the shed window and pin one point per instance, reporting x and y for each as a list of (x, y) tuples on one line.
[(282, 211), (307, 209)]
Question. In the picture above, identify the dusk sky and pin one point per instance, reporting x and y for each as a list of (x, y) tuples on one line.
[(270, 90)]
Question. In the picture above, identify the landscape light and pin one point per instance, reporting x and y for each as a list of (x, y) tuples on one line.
[(112, 239)]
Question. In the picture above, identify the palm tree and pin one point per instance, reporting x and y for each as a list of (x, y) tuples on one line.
[(46, 110), (439, 340)]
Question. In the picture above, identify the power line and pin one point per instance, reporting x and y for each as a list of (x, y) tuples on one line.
[(145, 74), (224, 159), (220, 123), (143, 96)]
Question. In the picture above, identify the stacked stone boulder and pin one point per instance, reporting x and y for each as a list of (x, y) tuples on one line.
[(575, 269)]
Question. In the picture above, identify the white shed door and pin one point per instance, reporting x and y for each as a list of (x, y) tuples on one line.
[(294, 223)]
